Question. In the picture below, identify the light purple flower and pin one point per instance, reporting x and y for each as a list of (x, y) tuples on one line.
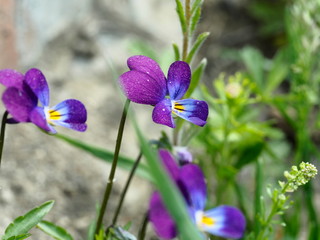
[(21, 101), (145, 83), (223, 221)]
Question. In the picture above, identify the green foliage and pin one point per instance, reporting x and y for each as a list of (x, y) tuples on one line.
[(196, 76), (20, 227), (54, 231), (107, 156), (181, 15), (196, 46)]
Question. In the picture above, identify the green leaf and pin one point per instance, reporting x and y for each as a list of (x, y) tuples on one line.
[(23, 224), (171, 196), (249, 154), (196, 5), (195, 19), (20, 237), (107, 156), (196, 76), (277, 73), (181, 15), (196, 46), (254, 62), (54, 231), (176, 51)]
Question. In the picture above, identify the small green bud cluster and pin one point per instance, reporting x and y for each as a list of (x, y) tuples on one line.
[(297, 177)]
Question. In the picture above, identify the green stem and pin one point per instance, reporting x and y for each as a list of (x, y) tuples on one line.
[(258, 194), (274, 210), (123, 194), (185, 46), (113, 167), (186, 33), (143, 228), (3, 128)]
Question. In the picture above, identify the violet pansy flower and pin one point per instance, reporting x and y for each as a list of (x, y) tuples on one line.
[(21, 101), (145, 83), (223, 221)]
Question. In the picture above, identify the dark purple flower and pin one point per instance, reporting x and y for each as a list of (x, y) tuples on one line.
[(223, 221), (21, 101), (145, 83)]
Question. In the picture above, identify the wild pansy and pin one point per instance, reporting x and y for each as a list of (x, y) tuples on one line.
[(145, 83), (21, 101), (223, 221)]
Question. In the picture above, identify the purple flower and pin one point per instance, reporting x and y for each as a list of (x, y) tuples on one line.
[(21, 101), (223, 221), (145, 83)]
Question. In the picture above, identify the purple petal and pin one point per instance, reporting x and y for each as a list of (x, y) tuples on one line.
[(179, 76), (228, 222), (38, 84), (70, 113), (142, 88), (38, 117), (192, 184), (11, 78), (192, 110), (162, 113), (161, 220), (18, 103), (148, 66), (169, 163)]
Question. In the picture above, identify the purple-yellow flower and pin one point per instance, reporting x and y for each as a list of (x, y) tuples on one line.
[(21, 101), (223, 221), (145, 83)]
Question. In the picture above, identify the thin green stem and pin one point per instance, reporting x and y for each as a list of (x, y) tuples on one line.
[(113, 168), (185, 46), (143, 228), (3, 128), (258, 194), (123, 194), (186, 33)]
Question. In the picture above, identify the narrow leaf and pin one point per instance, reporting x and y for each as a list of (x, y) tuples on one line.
[(171, 196), (54, 231), (195, 19), (107, 156), (24, 224), (254, 62), (277, 73), (20, 237), (181, 15), (196, 76), (196, 5), (176, 52), (196, 46)]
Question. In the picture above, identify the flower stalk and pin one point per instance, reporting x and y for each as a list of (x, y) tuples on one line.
[(124, 192), (2, 134), (113, 168)]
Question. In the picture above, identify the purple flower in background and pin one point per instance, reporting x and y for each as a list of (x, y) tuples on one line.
[(145, 83), (223, 221), (21, 101)]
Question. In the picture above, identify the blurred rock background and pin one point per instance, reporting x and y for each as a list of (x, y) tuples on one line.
[(82, 46)]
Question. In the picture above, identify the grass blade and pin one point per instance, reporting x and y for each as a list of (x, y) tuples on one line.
[(107, 156)]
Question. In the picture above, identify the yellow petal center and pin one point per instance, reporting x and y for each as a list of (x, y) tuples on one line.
[(179, 107), (54, 115), (207, 221)]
